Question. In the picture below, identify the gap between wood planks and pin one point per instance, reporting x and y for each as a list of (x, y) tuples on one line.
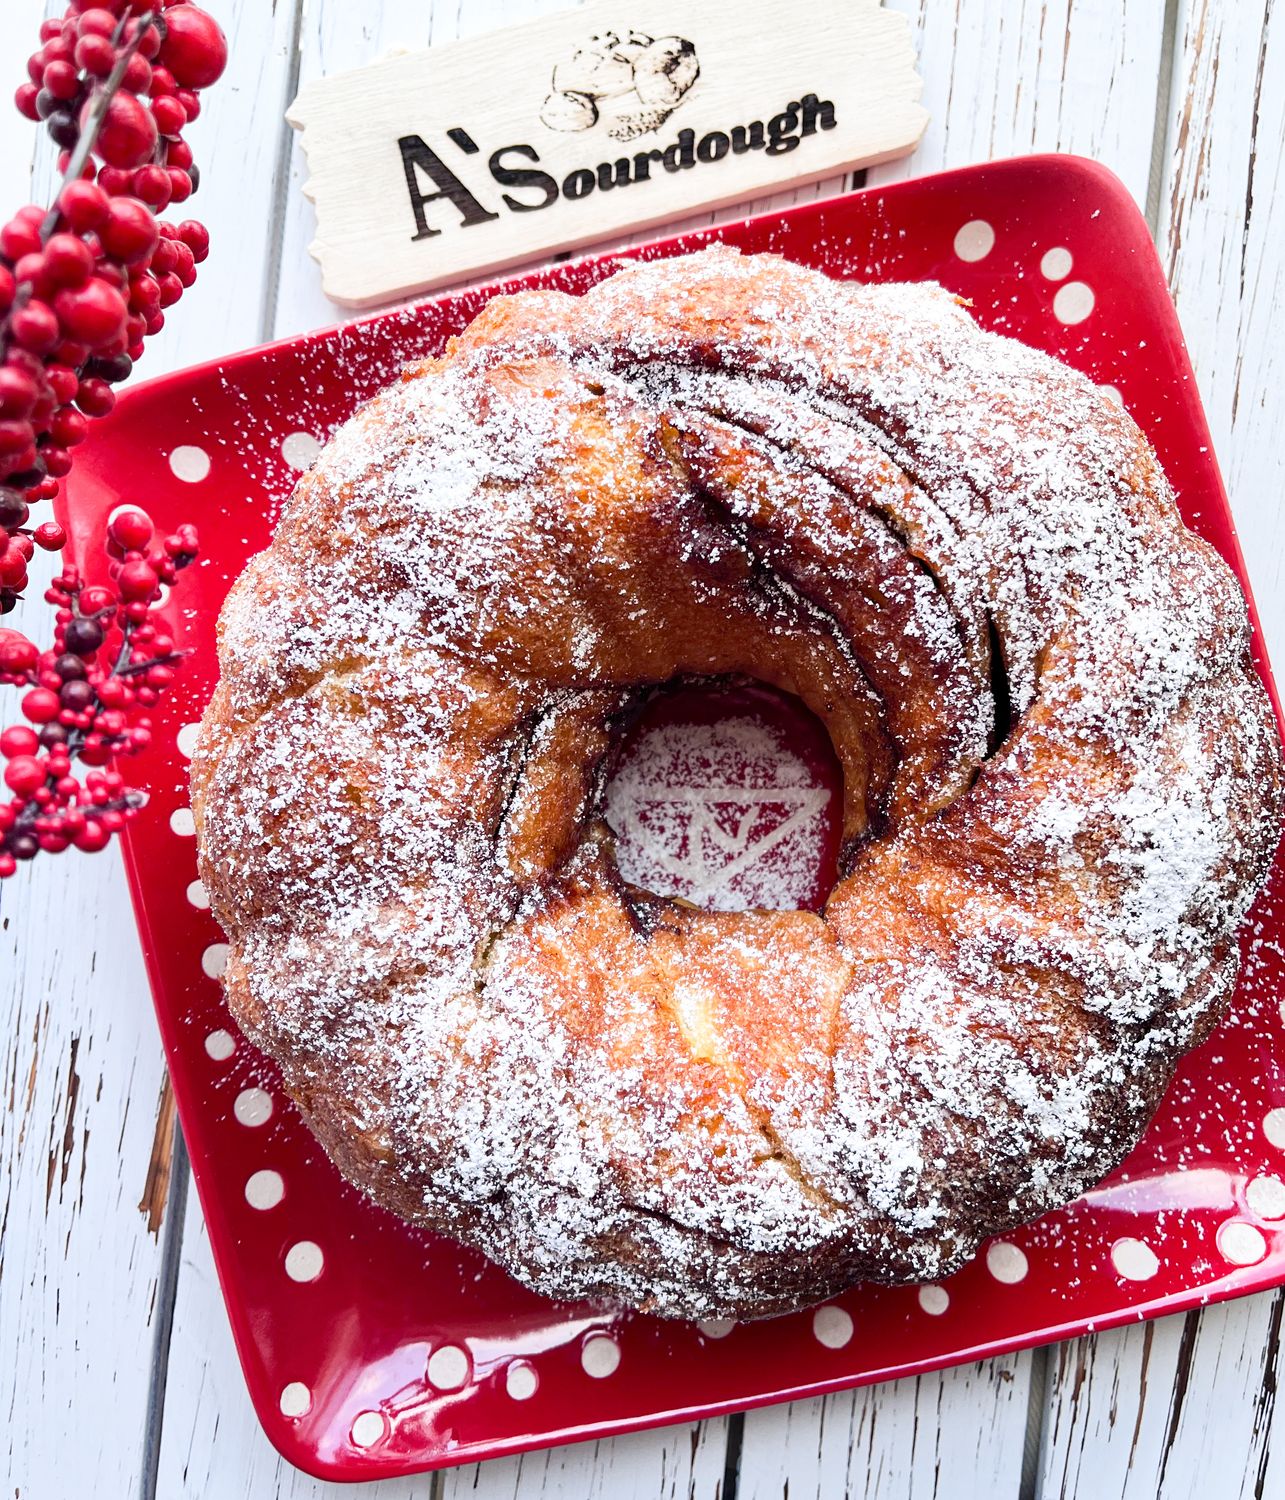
[(1036, 1433)]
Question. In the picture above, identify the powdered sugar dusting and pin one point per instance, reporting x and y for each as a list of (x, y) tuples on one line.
[(724, 815), (1061, 787)]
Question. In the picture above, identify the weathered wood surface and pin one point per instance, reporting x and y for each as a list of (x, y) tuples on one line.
[(1183, 1407)]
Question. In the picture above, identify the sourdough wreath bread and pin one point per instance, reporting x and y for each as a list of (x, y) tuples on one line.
[(1061, 787)]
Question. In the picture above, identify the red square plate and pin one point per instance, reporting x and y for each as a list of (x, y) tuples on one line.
[(371, 1349)]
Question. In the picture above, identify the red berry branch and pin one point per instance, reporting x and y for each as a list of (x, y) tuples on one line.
[(82, 284)]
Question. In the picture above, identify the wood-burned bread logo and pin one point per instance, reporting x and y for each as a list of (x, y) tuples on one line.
[(630, 83)]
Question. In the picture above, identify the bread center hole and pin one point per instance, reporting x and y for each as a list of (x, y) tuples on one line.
[(729, 797)]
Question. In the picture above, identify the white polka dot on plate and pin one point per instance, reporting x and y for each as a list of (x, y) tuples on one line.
[(182, 822), (600, 1355), (1274, 1127), (368, 1429), (189, 463), (295, 1399), (220, 1045), (215, 960), (716, 1328), (300, 450), (1112, 393), (448, 1367), (832, 1327), (934, 1300), (1240, 1243), (1134, 1260), (1006, 1262), (974, 240), (1055, 263), (521, 1380), (252, 1107), (185, 739), (304, 1261), (198, 896), (264, 1189), (1073, 302), (1266, 1197)]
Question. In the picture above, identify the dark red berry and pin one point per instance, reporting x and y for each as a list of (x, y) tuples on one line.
[(83, 637), (77, 696), (13, 512)]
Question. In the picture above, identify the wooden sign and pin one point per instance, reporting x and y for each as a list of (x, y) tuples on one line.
[(433, 166)]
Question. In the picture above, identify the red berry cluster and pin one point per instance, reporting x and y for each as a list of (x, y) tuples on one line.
[(110, 659), (82, 284)]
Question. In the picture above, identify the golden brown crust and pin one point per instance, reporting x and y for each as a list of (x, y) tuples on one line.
[(1062, 787)]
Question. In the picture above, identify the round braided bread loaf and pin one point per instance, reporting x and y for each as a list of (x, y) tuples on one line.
[(1061, 786)]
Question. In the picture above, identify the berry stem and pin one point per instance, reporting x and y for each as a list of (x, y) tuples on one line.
[(102, 97)]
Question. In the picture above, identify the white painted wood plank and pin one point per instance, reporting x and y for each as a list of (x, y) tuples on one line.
[(1131, 1413), (19, 136), (83, 1081), (1168, 1410), (85, 1136), (1223, 240), (674, 1463), (1036, 75), (932, 1438)]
